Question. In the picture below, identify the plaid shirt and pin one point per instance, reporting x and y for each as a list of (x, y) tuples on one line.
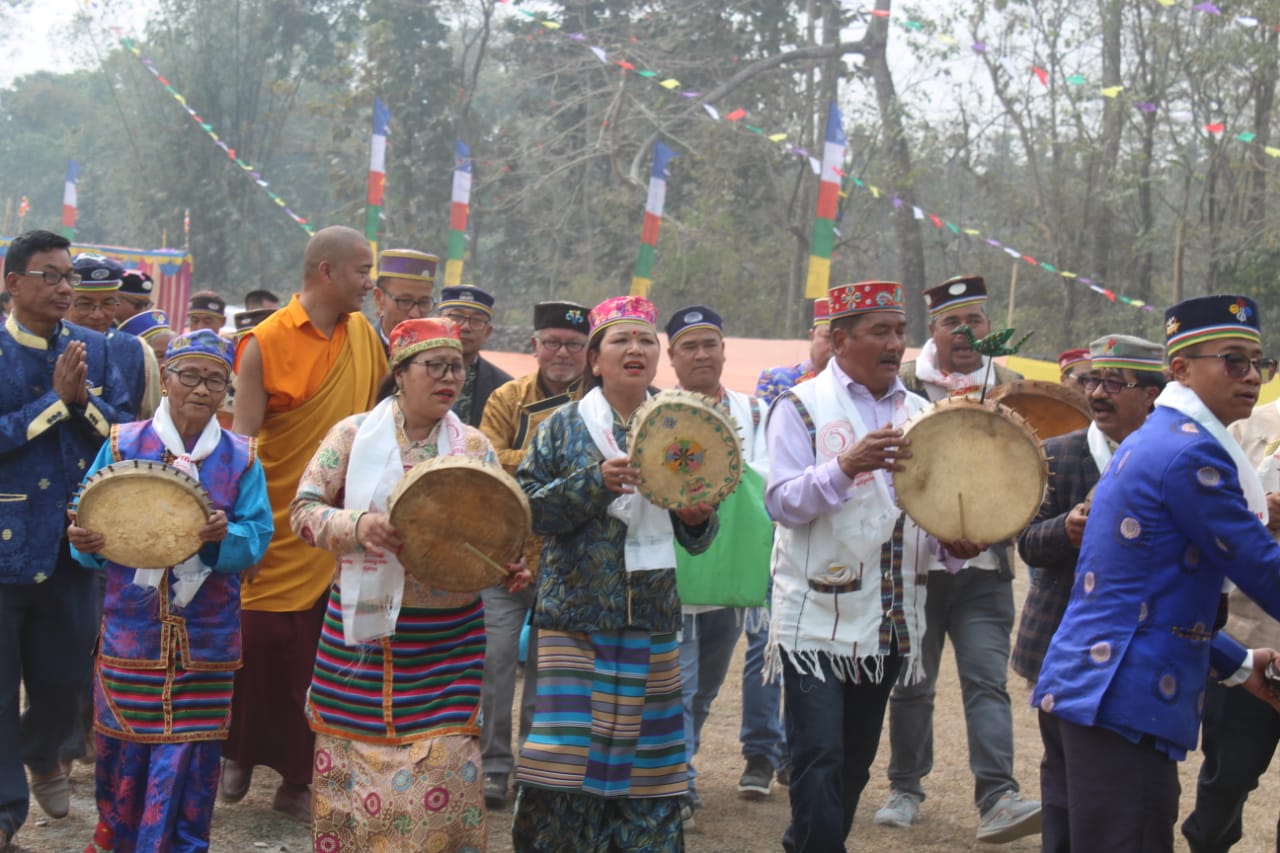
[(1044, 544)]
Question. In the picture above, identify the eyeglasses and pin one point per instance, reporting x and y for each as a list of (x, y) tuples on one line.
[(437, 369), (475, 321), (408, 303), (88, 306), (1111, 386), (1238, 364), (571, 347), (52, 278), (192, 379)]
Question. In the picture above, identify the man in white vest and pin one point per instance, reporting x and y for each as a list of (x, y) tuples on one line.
[(695, 345), (848, 567)]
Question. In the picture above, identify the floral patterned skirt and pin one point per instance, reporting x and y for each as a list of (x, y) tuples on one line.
[(426, 796)]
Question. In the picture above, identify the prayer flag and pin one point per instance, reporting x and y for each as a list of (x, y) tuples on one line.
[(458, 213), (69, 200), (642, 280), (824, 222), (377, 172)]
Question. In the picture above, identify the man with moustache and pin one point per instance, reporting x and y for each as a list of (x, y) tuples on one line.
[(970, 601), (406, 281), (1125, 375), (299, 371), (511, 416), (61, 396), (1179, 510), (471, 310), (848, 565)]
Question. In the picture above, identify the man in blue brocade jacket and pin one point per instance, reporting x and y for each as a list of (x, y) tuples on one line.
[(1178, 509), (59, 395)]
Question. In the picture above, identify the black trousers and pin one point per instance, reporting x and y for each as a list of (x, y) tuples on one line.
[(1240, 736), (1102, 793)]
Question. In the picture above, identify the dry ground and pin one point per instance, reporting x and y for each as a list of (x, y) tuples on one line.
[(726, 824)]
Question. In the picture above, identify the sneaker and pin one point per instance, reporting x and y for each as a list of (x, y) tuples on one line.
[(757, 779), (902, 810), (495, 790), (1011, 817)]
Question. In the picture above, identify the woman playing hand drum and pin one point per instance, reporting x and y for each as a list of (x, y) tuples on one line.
[(396, 691), (170, 639), (604, 769)]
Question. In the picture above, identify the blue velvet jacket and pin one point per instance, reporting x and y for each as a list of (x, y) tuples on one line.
[(45, 445), (1168, 522), (582, 584)]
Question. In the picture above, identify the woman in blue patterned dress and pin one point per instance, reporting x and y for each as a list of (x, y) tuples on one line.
[(604, 766)]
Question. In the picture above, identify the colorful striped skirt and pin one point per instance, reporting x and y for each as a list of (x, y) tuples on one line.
[(608, 720), (423, 681), (161, 706)]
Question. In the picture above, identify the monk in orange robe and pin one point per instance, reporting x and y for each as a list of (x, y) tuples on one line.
[(307, 366)]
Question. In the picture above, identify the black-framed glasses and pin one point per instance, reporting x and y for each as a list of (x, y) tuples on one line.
[(88, 306), (192, 379), (1238, 364), (571, 347), (52, 278), (437, 369), (408, 303), (1111, 386), (475, 321)]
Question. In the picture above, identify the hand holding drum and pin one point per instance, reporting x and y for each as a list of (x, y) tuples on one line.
[(878, 450)]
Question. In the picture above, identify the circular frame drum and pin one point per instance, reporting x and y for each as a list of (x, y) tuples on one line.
[(687, 450), (1050, 408), (150, 513), (461, 522), (976, 471)]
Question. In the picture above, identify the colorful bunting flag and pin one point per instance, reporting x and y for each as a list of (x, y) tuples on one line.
[(642, 280), (69, 200), (377, 173), (824, 221), (458, 213)]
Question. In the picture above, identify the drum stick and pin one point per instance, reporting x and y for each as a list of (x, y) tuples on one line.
[(482, 555), (960, 498)]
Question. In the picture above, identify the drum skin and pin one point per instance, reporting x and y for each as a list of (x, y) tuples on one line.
[(449, 508), (1049, 408), (976, 471), (149, 513), (687, 449)]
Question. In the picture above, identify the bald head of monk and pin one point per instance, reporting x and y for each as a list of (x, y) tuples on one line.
[(337, 269)]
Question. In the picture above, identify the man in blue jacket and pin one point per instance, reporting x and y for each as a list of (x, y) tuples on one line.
[(1178, 510), (59, 396)]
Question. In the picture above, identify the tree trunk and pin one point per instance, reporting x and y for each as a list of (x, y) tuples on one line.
[(906, 227)]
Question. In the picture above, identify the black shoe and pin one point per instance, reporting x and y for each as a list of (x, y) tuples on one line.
[(757, 779), (783, 776), (495, 790)]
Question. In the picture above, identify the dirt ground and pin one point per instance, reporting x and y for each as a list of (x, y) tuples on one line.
[(726, 824)]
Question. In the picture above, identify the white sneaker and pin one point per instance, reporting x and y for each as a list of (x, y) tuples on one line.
[(902, 810), (1010, 818)]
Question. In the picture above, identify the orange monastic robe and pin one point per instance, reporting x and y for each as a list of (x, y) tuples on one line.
[(312, 382)]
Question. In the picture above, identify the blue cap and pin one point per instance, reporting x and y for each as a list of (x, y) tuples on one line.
[(98, 273), (466, 296), (146, 323), (201, 343), (691, 318), (1209, 318)]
